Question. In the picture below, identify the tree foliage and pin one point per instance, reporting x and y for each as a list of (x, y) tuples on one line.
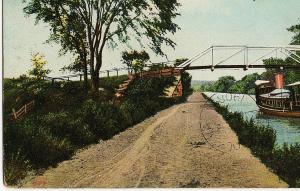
[(135, 59), (38, 63), (85, 27), (180, 61), (290, 76), (246, 85), (224, 83), (296, 30)]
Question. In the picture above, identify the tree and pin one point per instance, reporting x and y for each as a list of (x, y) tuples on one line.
[(135, 59), (38, 63), (180, 61), (290, 75), (87, 26), (79, 65), (295, 29), (224, 83), (246, 85)]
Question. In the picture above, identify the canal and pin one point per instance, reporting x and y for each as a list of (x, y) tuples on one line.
[(287, 129)]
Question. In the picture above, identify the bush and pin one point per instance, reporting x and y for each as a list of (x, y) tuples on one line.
[(143, 89), (134, 113), (16, 167), (111, 83), (186, 83), (286, 163), (103, 119), (44, 149), (63, 125), (38, 144)]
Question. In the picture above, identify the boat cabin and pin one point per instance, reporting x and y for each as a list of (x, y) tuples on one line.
[(295, 93), (277, 98)]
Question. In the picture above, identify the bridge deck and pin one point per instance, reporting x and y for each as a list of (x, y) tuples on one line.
[(242, 66)]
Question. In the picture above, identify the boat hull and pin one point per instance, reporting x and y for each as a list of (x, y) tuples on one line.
[(279, 113)]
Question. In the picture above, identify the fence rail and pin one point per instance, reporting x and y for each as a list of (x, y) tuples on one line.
[(22, 111)]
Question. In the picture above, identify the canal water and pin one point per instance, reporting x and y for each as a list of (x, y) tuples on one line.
[(287, 129)]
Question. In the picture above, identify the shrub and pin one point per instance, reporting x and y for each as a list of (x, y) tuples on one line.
[(110, 83), (64, 125), (128, 108), (44, 149), (103, 118), (135, 113), (38, 144), (148, 88), (285, 162), (16, 167), (186, 83)]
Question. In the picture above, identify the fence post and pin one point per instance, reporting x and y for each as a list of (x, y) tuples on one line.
[(107, 73), (117, 72), (14, 113), (80, 77)]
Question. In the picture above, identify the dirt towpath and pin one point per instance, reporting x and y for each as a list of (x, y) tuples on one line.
[(187, 145)]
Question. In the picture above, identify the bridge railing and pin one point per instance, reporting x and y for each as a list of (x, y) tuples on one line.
[(285, 51)]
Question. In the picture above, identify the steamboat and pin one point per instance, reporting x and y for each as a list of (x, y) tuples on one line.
[(276, 98)]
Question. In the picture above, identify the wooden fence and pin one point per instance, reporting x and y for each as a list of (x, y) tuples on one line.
[(22, 111)]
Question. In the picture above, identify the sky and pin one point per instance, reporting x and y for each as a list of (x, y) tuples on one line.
[(203, 23)]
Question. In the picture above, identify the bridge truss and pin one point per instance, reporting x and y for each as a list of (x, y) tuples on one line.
[(231, 52)]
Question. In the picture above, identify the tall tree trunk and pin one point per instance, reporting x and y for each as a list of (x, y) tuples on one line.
[(95, 73), (95, 80), (85, 76), (84, 61)]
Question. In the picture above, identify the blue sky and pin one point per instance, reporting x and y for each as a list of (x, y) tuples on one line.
[(203, 23)]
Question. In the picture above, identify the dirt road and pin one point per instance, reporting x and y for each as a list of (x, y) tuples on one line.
[(187, 145)]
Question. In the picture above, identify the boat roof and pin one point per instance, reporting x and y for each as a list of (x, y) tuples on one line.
[(280, 91), (279, 96), (294, 84), (260, 82)]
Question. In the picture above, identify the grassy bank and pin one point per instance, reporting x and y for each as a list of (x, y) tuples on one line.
[(284, 161), (66, 118)]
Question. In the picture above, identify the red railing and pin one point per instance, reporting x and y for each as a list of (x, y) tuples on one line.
[(160, 73), (178, 90)]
